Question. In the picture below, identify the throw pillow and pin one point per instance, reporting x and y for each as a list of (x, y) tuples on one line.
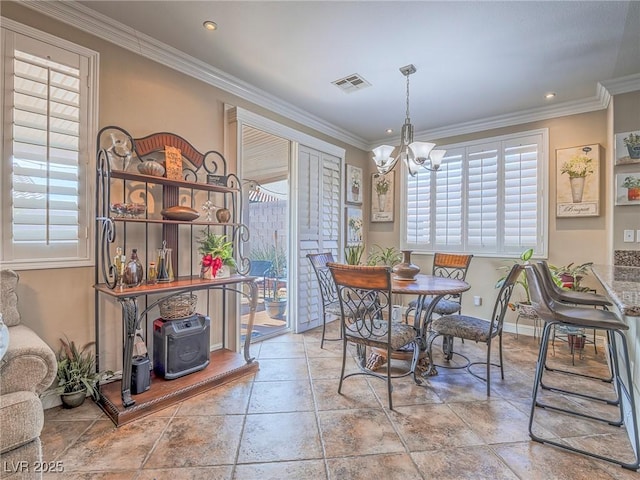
[(8, 297)]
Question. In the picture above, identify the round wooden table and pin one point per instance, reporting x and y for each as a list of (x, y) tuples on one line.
[(421, 287)]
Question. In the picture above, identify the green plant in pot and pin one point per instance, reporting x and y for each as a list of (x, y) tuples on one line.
[(275, 293), (571, 275), (389, 257), (217, 252), (353, 254), (632, 143), (77, 375)]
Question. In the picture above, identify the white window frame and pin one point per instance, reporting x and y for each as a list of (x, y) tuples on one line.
[(87, 147), (541, 249)]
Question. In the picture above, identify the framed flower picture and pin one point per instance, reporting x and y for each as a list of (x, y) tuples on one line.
[(382, 194), (353, 223), (628, 188), (353, 185), (578, 181), (627, 148)]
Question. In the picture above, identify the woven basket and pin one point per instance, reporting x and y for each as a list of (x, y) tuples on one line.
[(180, 306)]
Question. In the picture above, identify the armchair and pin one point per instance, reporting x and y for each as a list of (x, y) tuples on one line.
[(27, 368)]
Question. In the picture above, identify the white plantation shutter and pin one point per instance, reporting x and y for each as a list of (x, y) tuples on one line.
[(482, 181), (319, 224), (487, 198), (46, 207)]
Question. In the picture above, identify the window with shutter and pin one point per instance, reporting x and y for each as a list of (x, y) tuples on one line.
[(489, 197), (46, 212)]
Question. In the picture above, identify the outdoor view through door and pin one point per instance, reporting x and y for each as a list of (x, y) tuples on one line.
[(265, 175)]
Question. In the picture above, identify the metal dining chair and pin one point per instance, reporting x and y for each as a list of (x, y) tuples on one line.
[(554, 313), (477, 329), (328, 292), (446, 265), (365, 299)]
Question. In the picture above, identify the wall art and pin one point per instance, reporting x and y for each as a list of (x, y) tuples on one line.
[(382, 195), (353, 223), (627, 148), (628, 188), (578, 181), (353, 185)]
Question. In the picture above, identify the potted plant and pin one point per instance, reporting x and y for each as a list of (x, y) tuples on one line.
[(570, 275), (632, 184), (77, 375), (275, 289), (388, 257), (217, 253), (355, 188), (633, 145), (577, 167), (353, 254)]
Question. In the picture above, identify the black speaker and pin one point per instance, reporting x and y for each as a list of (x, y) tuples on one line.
[(140, 374), (180, 346)]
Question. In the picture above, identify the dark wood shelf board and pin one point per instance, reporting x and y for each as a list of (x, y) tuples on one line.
[(225, 366), (170, 182)]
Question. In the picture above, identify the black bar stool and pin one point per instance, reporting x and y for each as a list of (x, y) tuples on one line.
[(554, 313)]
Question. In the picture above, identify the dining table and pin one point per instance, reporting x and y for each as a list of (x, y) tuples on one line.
[(421, 287)]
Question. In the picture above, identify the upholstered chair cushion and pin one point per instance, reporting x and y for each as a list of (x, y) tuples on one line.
[(462, 326), (401, 333), (443, 307), (21, 417), (8, 297)]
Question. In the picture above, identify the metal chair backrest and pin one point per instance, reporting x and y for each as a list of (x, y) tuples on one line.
[(502, 300), (319, 262), (451, 265), (365, 296)]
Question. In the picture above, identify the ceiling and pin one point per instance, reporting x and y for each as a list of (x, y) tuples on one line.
[(475, 61)]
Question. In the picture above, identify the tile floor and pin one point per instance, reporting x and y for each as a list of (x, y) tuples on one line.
[(288, 422)]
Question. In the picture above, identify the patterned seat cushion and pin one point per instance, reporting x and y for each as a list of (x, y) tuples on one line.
[(401, 333), (443, 307), (462, 326)]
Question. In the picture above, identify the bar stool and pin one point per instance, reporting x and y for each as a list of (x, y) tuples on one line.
[(554, 313)]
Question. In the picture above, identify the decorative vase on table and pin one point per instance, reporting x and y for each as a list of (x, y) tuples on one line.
[(406, 270)]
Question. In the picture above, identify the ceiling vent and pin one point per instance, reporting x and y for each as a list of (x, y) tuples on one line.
[(351, 83)]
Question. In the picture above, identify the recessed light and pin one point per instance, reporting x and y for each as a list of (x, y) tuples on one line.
[(209, 25), (389, 130), (550, 95)]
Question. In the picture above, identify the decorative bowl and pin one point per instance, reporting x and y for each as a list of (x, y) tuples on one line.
[(151, 167), (180, 213), (128, 209)]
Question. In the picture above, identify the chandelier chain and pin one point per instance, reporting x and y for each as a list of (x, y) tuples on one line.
[(408, 119)]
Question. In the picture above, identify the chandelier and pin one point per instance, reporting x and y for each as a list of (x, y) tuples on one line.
[(414, 154)]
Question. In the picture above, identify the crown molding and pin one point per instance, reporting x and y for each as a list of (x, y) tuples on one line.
[(617, 86), (101, 26), (598, 102)]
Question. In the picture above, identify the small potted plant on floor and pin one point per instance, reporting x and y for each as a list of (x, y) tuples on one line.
[(77, 375)]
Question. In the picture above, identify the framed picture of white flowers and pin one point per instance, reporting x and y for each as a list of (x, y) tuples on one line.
[(353, 184), (353, 223), (628, 148), (382, 194), (578, 181)]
